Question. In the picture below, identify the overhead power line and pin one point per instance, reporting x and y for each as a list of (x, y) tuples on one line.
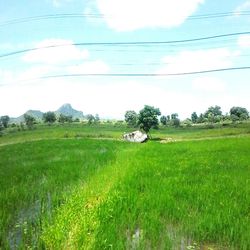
[(135, 43), (101, 16), (145, 74)]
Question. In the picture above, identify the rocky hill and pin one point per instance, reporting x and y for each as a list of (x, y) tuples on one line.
[(65, 109)]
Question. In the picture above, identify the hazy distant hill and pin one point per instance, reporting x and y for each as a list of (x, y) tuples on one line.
[(37, 114), (66, 109)]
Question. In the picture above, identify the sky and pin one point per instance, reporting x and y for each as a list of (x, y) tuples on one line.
[(110, 56)]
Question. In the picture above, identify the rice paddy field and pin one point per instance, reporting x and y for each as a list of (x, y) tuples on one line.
[(82, 187)]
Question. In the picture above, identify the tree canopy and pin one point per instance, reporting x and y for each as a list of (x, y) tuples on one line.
[(131, 118), (239, 113), (148, 118), (49, 117), (29, 120), (5, 120)]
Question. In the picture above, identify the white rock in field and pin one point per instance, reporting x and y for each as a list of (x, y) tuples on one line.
[(136, 136)]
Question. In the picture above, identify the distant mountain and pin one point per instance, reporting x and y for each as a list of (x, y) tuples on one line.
[(66, 109), (37, 114)]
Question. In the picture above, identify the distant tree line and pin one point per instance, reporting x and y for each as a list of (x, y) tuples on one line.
[(214, 115), (147, 118), (49, 118)]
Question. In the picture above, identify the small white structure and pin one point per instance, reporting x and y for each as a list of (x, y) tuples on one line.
[(136, 136)]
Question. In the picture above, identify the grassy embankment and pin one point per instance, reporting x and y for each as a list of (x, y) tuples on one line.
[(102, 194)]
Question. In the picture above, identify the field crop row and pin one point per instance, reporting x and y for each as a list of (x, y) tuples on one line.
[(79, 193)]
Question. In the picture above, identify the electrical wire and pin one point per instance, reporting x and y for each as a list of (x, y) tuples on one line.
[(135, 43), (145, 74), (101, 16)]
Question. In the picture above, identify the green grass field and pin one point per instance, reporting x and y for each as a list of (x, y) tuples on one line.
[(80, 187)]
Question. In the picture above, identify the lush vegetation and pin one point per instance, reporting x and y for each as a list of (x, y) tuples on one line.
[(76, 186)]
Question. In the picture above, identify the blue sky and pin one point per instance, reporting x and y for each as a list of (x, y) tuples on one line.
[(24, 77)]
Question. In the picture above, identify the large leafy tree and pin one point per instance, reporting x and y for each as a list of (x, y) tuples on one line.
[(239, 113), (213, 111), (5, 120), (131, 118), (49, 117), (29, 120), (148, 118)]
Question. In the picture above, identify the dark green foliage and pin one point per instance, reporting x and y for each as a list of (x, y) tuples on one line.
[(213, 112), (5, 120), (201, 118), (174, 116), (163, 120), (239, 113), (148, 118), (131, 118), (194, 117), (90, 118), (176, 122), (65, 118), (29, 121), (1, 128), (49, 117)]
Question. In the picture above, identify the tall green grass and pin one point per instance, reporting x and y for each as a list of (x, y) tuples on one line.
[(37, 177), (79, 193), (192, 194)]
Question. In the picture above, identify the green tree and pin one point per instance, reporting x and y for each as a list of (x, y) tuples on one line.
[(163, 120), (148, 118), (29, 121), (131, 118), (90, 118), (213, 114), (194, 117), (239, 113), (5, 120), (97, 119), (174, 116), (49, 117), (215, 111), (175, 121), (1, 128), (201, 118), (62, 118)]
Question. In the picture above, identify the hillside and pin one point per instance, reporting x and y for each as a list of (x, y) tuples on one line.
[(37, 114), (66, 109)]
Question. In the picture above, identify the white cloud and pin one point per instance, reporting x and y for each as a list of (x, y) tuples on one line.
[(198, 60), (128, 15), (243, 7), (244, 41), (90, 67), (63, 51), (209, 84)]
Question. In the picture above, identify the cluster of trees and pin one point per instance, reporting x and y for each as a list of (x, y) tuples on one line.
[(93, 119), (214, 114), (147, 118), (49, 118)]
